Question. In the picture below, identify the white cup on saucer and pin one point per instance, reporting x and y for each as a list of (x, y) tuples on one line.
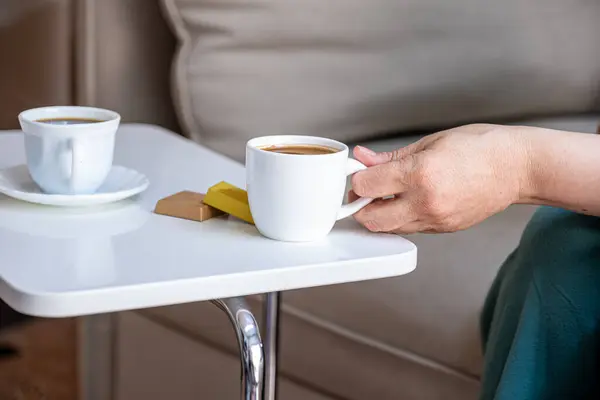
[(69, 149), (298, 197)]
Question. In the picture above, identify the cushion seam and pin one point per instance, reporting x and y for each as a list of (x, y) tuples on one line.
[(190, 126), (376, 344)]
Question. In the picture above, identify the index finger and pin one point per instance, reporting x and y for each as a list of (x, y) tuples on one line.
[(384, 179)]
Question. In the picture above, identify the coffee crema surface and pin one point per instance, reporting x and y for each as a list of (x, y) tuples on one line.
[(68, 121), (300, 149)]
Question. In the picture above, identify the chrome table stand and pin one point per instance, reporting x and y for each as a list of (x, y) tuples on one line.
[(259, 361)]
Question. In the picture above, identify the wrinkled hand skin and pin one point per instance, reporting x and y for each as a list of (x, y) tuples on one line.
[(445, 182)]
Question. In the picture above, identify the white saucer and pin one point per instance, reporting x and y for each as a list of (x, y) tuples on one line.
[(120, 184)]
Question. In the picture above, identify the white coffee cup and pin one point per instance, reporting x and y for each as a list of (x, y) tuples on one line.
[(298, 198), (73, 158)]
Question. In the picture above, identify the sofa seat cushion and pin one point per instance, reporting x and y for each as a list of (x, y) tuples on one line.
[(347, 69), (414, 337)]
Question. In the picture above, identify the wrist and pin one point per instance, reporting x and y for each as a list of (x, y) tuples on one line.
[(556, 168), (530, 149)]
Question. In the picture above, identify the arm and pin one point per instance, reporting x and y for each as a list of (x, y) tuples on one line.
[(563, 169), (455, 179)]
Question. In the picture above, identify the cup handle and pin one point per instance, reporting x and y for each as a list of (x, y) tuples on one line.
[(73, 149), (347, 210)]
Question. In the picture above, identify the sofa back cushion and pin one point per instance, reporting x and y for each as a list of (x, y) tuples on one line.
[(349, 69)]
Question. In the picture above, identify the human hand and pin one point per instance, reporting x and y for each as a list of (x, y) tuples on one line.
[(445, 182)]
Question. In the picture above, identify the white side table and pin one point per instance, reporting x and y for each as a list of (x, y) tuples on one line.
[(59, 262)]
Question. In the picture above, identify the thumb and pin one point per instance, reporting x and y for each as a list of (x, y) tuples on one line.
[(371, 158)]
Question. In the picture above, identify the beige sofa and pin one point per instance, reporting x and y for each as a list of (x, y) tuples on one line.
[(410, 338)]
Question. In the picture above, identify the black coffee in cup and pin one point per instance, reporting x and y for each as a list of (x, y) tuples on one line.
[(68, 121), (300, 149)]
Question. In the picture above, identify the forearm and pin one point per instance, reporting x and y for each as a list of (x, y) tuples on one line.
[(563, 169)]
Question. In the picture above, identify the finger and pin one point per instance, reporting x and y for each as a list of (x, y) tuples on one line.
[(384, 179), (370, 158), (412, 228), (352, 196), (386, 215)]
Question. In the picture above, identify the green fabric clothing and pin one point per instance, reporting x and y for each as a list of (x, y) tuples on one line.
[(541, 320)]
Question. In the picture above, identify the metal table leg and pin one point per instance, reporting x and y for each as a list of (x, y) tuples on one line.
[(258, 383), (250, 344), (271, 344)]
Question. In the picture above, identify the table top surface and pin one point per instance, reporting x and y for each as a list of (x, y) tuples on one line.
[(59, 262)]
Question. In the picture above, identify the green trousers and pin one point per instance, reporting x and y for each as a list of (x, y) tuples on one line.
[(541, 320)]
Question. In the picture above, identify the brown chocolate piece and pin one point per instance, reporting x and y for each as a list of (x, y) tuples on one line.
[(186, 205)]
